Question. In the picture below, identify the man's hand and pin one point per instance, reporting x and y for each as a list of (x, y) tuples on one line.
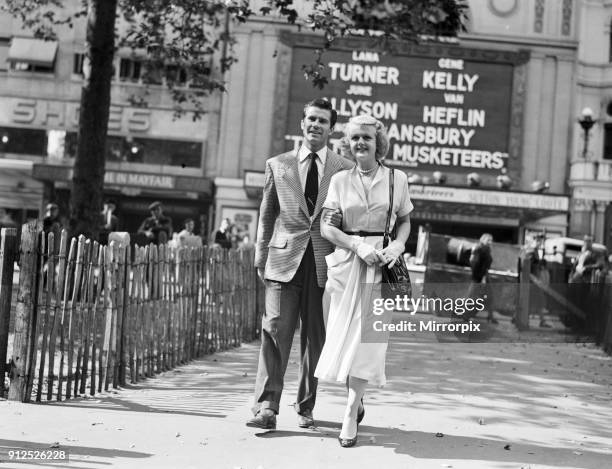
[(333, 218), (261, 274)]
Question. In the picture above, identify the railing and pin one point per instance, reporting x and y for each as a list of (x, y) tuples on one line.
[(89, 317), (591, 170)]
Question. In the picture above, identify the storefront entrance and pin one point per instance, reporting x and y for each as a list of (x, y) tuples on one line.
[(501, 234)]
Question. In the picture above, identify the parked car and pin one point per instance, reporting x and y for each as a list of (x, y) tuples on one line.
[(561, 254), (564, 252)]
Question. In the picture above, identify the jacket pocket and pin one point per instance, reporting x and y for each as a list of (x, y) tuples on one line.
[(339, 256), (279, 243)]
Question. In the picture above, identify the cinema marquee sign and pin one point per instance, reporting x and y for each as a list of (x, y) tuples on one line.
[(446, 108)]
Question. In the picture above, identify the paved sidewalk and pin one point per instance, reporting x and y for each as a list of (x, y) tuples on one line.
[(446, 405)]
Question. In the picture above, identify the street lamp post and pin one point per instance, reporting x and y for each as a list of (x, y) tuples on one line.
[(586, 121)]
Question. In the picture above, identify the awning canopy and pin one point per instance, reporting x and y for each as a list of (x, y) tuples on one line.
[(130, 179), (32, 51), (18, 190), (484, 206)]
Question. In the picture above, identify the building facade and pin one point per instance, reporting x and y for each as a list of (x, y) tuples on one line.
[(492, 114), (486, 126), (150, 154), (590, 180)]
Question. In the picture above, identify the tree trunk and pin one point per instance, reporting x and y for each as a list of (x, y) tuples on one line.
[(88, 177)]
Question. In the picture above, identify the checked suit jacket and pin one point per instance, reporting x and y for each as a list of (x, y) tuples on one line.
[(285, 227)]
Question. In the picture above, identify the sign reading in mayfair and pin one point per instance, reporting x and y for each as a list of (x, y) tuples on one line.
[(129, 179), (441, 112)]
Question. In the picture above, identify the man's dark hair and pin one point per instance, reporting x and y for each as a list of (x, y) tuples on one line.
[(188, 220), (322, 103)]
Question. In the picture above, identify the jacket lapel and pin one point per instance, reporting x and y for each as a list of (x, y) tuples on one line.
[(292, 177), (332, 166)]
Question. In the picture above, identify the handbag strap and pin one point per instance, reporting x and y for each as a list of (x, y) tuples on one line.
[(387, 234)]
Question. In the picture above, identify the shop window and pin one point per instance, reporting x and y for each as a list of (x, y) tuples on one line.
[(154, 75), (30, 67), (129, 69), (77, 64), (176, 75), (204, 69), (165, 75), (607, 154), (56, 142), (154, 151), (170, 152), (610, 42), (4, 50), (70, 146), (23, 141), (27, 54)]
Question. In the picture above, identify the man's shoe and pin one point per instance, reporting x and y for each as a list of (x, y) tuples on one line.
[(266, 421), (305, 419)]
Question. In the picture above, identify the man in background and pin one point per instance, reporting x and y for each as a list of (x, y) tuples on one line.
[(480, 263), (223, 236), (157, 228)]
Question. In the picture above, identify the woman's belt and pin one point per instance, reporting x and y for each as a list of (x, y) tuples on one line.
[(366, 233)]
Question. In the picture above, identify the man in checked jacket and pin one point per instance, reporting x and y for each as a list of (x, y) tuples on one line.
[(290, 260)]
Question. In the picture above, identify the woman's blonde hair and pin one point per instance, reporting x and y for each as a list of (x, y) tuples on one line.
[(382, 140)]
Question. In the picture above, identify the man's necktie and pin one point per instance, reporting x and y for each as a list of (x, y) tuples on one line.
[(311, 191)]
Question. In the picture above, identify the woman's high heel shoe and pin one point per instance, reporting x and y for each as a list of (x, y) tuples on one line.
[(348, 442), (361, 415)]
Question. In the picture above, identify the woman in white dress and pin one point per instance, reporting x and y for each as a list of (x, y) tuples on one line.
[(362, 196)]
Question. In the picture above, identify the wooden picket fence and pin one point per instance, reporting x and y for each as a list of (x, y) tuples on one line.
[(90, 317)]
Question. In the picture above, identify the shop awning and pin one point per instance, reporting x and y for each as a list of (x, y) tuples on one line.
[(461, 204), (32, 51), (18, 190), (131, 179)]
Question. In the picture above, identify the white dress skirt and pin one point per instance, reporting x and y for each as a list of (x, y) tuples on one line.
[(344, 354)]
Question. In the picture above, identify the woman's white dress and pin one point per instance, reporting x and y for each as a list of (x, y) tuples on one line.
[(343, 353)]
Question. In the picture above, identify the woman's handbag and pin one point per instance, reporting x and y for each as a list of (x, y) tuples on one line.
[(397, 277)]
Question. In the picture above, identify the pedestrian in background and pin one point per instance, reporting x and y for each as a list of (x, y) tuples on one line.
[(223, 234), (587, 263), (538, 268), (187, 231), (585, 272), (52, 223), (109, 221), (157, 228), (6, 221), (480, 263)]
